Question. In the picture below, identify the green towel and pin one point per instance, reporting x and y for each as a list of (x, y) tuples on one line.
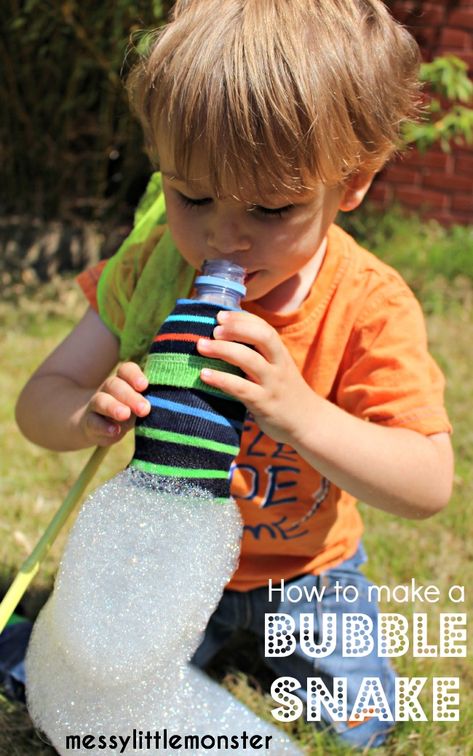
[(140, 284)]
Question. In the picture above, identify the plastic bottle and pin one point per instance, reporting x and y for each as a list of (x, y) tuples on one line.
[(222, 283), (192, 433)]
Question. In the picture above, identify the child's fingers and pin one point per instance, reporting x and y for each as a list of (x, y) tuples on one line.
[(133, 374), (248, 329), (102, 426), (117, 399), (248, 360), (113, 409), (246, 391), (105, 432)]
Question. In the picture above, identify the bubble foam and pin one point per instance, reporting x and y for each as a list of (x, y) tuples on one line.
[(143, 569), (144, 566), (188, 702)]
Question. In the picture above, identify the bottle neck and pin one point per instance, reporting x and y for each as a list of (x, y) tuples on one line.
[(218, 296), (221, 283)]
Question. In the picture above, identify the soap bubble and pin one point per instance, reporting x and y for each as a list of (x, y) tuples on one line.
[(141, 564), (144, 568)]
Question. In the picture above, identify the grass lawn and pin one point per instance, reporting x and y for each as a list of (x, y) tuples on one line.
[(33, 483)]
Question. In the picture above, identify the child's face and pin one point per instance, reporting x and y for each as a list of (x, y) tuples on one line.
[(277, 239)]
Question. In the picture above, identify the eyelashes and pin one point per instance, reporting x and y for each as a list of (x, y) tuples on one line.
[(275, 212), (192, 203)]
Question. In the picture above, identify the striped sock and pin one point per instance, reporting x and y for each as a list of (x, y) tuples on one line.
[(193, 430)]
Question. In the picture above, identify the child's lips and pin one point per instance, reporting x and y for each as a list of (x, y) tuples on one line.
[(250, 276)]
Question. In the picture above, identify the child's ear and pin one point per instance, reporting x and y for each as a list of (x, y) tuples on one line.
[(354, 190)]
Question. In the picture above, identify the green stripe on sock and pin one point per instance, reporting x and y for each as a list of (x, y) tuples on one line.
[(177, 472), (181, 438), (183, 370)]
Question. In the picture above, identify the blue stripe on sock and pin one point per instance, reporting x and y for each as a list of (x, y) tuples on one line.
[(186, 410), (192, 319)]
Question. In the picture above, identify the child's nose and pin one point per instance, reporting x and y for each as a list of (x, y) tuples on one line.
[(227, 238)]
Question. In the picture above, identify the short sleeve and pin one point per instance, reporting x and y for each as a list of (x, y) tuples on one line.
[(388, 376), (88, 281)]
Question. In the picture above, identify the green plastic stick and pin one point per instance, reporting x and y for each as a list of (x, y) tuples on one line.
[(31, 565)]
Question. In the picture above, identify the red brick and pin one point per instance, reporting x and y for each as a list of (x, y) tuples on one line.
[(429, 15), (461, 17), (455, 39), (462, 162), (432, 14), (434, 158), (439, 160), (418, 198), (463, 202), (401, 14), (466, 150), (403, 11), (457, 217), (379, 192), (464, 219), (438, 180), (426, 37), (464, 165), (401, 174)]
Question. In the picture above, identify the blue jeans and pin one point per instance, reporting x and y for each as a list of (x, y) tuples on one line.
[(13, 644), (246, 611)]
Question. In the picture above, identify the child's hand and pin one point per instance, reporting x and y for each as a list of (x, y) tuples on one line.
[(113, 409), (273, 389)]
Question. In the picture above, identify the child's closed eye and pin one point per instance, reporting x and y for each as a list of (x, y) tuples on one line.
[(192, 203), (277, 212)]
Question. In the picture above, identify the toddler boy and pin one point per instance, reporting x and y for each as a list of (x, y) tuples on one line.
[(265, 118)]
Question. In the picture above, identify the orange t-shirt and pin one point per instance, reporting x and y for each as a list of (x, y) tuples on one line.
[(359, 340)]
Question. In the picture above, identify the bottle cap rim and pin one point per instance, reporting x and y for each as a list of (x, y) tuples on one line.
[(221, 283)]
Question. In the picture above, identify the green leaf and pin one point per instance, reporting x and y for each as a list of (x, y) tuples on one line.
[(448, 76), (447, 119)]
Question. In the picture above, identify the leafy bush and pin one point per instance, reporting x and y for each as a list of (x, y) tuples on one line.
[(447, 119), (69, 142)]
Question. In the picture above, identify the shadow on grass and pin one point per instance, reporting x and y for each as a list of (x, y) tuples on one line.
[(18, 736)]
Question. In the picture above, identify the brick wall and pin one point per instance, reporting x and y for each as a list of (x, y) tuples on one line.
[(436, 184)]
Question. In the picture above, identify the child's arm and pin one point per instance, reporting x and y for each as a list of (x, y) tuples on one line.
[(72, 402), (394, 469)]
